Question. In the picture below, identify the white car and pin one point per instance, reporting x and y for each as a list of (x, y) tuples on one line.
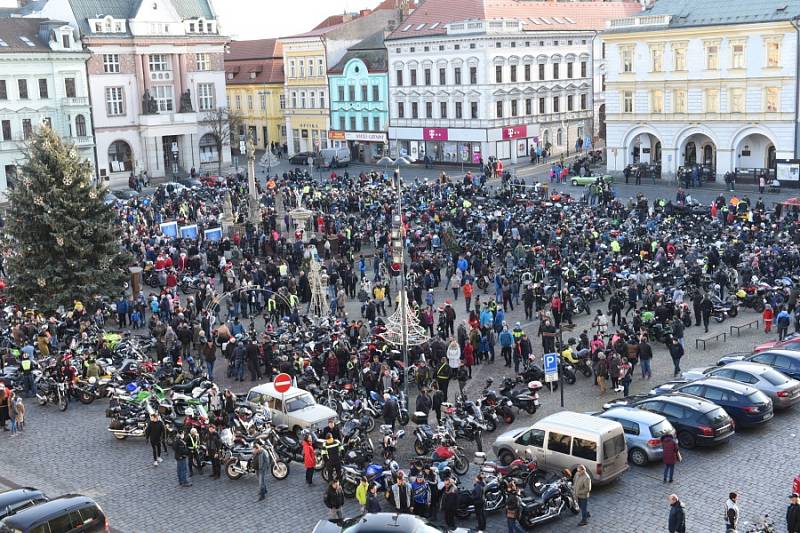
[(296, 408)]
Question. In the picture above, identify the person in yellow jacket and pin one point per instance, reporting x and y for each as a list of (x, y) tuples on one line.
[(362, 492)]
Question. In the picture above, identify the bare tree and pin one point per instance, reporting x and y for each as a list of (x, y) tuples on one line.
[(224, 125)]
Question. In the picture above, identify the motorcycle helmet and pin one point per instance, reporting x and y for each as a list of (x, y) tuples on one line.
[(189, 412)]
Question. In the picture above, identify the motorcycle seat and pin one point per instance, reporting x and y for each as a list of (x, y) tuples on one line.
[(187, 387), (281, 428)]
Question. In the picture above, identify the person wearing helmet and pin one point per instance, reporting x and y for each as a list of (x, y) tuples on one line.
[(26, 365), (193, 443)]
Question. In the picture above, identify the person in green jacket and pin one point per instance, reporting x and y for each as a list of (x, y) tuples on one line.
[(362, 491)]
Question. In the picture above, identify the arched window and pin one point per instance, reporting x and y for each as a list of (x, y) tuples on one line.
[(209, 151), (120, 157), (80, 126), (560, 137)]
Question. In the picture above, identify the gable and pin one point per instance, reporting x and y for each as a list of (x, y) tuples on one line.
[(156, 11)]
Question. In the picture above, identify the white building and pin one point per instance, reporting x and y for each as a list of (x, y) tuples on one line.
[(42, 81), (691, 83), (155, 72), (495, 78)]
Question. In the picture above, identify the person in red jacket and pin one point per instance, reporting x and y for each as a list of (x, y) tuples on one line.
[(768, 315), (331, 367), (670, 456), (309, 459), (469, 357)]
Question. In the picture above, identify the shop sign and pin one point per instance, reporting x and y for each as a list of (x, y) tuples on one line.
[(365, 136), (336, 135), (434, 134), (515, 132)]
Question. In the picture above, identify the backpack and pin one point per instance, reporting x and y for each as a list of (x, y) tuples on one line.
[(783, 322)]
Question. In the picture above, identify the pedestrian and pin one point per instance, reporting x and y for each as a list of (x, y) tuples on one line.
[(513, 509), (437, 399), (645, 357), (210, 356), (450, 503), (332, 454), (462, 376), (373, 505), (583, 488), (391, 411), (601, 372), (309, 459), (793, 514), (214, 449), (5, 400), (782, 320), (731, 513), (362, 492), (334, 500), (19, 411), (677, 515), (421, 495), (262, 462), (424, 403), (12, 413), (670, 455), (182, 460), (155, 435), (467, 289), (675, 352), (479, 501), (401, 494), (193, 442), (768, 315)]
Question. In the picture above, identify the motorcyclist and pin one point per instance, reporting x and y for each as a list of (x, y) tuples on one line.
[(26, 365)]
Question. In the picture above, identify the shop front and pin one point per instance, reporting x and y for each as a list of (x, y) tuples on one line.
[(514, 143), (365, 147), (438, 145), (309, 135)]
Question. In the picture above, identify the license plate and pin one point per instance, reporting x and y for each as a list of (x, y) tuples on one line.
[(723, 429), (767, 416)]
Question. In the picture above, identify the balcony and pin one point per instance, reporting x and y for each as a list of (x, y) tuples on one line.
[(166, 118), (161, 75), (75, 101), (640, 21), (82, 142)]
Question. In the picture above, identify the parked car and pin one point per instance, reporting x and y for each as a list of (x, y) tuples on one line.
[(747, 405), (125, 194), (174, 186), (785, 361), (567, 439), (213, 181), (13, 501), (71, 513), (383, 523), (588, 180), (341, 157), (781, 389), (301, 158), (296, 408), (110, 198), (643, 432), (792, 342), (697, 421), (190, 182)]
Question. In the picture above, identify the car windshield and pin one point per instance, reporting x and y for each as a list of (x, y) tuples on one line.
[(717, 416), (299, 402), (774, 377), (660, 429)]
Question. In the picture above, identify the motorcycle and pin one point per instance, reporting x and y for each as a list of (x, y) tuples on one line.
[(724, 309), (523, 400), (241, 462), (51, 391), (494, 495), (556, 498), (389, 442)]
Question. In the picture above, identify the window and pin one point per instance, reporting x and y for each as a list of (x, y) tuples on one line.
[(414, 110), (499, 106), (201, 61), (238, 102), (459, 110), (111, 63), (737, 104), (427, 76), (773, 53), (164, 97), (399, 75), (679, 101), (569, 102), (443, 109), (69, 87), (205, 97), (514, 108), (413, 76), (65, 41), (6, 126), (513, 73), (250, 102), (473, 110), (583, 69), (340, 93), (555, 70), (294, 100), (376, 93), (627, 59), (376, 123), (613, 447), (291, 69), (3, 90), (401, 110), (473, 75), (310, 67), (352, 123), (27, 128), (458, 46), (528, 106), (737, 55), (442, 76), (351, 93), (301, 68), (585, 449), (556, 105), (282, 101), (341, 123), (712, 57), (457, 76), (583, 101), (263, 101), (527, 73), (209, 151), (558, 443), (428, 109), (158, 63), (498, 45), (302, 99), (657, 101), (498, 74), (43, 88), (320, 69), (679, 57), (569, 70), (115, 106), (365, 123), (541, 106), (627, 101), (80, 126), (773, 94), (364, 93), (23, 89), (541, 71), (532, 437), (712, 100)]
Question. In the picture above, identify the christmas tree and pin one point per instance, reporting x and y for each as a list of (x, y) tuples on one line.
[(65, 244)]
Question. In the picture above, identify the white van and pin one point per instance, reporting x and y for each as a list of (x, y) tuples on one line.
[(567, 439), (340, 155)]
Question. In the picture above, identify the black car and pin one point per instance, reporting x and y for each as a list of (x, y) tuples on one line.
[(192, 183), (786, 361), (13, 501), (71, 513), (747, 406), (301, 158), (697, 421), (383, 523)]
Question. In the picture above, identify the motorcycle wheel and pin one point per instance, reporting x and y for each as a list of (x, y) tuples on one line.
[(460, 465), (588, 311), (531, 408), (120, 436), (280, 470), (370, 424), (491, 425), (419, 448), (42, 400), (733, 312), (63, 403), (231, 471), (720, 318), (349, 490), (404, 418), (573, 505), (508, 416), (319, 462), (326, 475), (569, 378), (85, 397)]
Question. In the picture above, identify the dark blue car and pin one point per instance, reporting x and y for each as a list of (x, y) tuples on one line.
[(746, 405)]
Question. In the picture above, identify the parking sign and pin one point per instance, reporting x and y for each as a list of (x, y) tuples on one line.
[(550, 367)]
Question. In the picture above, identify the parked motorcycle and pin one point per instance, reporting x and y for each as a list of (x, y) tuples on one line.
[(556, 498), (241, 461)]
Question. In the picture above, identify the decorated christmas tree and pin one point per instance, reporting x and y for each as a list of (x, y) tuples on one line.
[(64, 243)]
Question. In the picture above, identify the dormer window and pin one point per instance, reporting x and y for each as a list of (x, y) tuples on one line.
[(107, 25), (98, 27), (65, 41), (118, 27), (191, 27)]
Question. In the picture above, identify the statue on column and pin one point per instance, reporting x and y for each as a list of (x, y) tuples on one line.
[(186, 102), (149, 104)]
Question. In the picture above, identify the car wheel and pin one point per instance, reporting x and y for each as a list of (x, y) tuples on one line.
[(574, 183), (638, 457), (686, 440), (505, 457)]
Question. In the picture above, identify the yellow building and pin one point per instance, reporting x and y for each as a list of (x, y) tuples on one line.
[(254, 83)]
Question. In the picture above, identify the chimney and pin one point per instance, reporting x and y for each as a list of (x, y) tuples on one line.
[(363, 12)]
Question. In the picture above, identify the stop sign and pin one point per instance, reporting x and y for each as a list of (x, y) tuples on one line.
[(282, 382)]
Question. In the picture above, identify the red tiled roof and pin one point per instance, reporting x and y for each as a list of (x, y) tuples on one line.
[(430, 17), (265, 71), (255, 49)]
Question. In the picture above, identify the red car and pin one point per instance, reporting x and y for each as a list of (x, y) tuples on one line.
[(792, 342), (213, 181)]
